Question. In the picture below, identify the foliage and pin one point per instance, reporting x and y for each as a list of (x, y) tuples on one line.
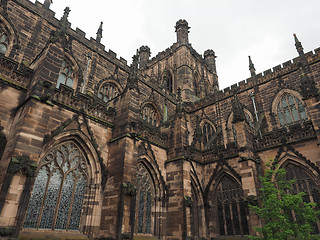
[(284, 215)]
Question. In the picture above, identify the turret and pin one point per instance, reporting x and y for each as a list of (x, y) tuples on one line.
[(144, 53), (182, 30), (210, 60)]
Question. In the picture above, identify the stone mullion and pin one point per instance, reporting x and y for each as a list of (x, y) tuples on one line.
[(43, 201), (54, 220), (71, 202)]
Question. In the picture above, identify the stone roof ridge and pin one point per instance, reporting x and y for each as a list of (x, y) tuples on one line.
[(39, 9)]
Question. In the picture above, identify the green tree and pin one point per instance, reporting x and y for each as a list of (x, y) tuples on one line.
[(284, 215)]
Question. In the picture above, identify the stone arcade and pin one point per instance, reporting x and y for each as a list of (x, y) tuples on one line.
[(93, 148)]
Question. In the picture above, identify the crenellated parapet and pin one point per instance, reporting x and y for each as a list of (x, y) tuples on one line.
[(261, 78), (14, 73), (94, 108), (77, 34)]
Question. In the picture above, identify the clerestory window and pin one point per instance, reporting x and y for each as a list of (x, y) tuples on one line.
[(66, 75), (107, 92), (290, 110), (57, 196), (3, 42), (207, 132), (150, 115)]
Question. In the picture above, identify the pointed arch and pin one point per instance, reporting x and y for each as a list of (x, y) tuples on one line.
[(149, 198), (108, 89), (12, 37), (149, 113), (289, 108), (208, 130), (67, 169), (167, 80)]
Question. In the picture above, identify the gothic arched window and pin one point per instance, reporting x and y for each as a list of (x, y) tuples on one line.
[(66, 75), (144, 201), (303, 182), (57, 196), (3, 42), (150, 115), (107, 92), (290, 110), (207, 132), (168, 81), (231, 209)]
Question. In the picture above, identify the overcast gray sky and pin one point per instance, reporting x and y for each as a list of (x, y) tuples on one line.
[(234, 29)]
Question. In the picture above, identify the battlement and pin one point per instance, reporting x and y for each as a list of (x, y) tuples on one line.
[(265, 76), (79, 35)]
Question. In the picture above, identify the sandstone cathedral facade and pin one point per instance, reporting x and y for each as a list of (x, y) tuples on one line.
[(94, 148)]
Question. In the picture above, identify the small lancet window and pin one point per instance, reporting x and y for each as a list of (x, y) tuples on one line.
[(207, 132), (167, 81), (108, 92), (66, 75), (3, 42), (57, 196), (290, 110), (150, 115)]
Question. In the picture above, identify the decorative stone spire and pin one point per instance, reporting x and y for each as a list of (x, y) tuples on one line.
[(210, 60), (64, 19), (47, 4), (99, 33), (133, 76), (237, 109), (298, 45), (144, 56), (251, 67), (182, 30)]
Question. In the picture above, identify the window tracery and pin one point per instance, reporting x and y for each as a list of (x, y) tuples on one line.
[(303, 182), (4, 42), (57, 196), (231, 208), (66, 75), (107, 92), (144, 201), (290, 110), (150, 115)]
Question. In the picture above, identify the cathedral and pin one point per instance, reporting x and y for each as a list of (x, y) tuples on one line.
[(93, 147)]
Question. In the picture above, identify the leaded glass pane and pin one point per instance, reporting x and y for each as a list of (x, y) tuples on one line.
[(141, 211), (150, 115), (77, 204), (51, 200), (65, 201), (148, 213), (65, 191), (3, 48), (69, 82), (36, 199), (302, 111), (3, 38)]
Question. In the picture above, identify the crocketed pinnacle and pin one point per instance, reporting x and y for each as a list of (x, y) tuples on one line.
[(298, 45), (99, 33), (251, 67)]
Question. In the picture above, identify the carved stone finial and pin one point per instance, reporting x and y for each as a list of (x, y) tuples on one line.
[(99, 33), (197, 132), (64, 19), (133, 76), (47, 4), (237, 109), (298, 45), (251, 67)]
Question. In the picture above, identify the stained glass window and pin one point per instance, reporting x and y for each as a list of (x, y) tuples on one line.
[(231, 209), (150, 115), (3, 42), (290, 110), (57, 195), (107, 92), (145, 201), (303, 182), (66, 75)]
